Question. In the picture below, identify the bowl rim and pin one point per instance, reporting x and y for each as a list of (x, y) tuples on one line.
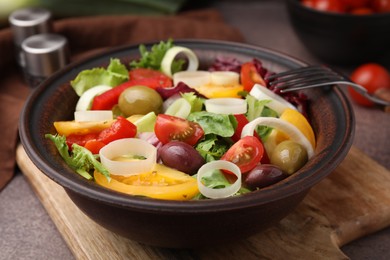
[(304, 181)]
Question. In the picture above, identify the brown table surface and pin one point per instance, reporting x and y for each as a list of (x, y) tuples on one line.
[(27, 232)]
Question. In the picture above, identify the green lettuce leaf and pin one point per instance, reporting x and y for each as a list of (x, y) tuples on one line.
[(80, 159), (257, 108), (211, 147), (152, 59), (115, 74), (195, 101), (212, 123)]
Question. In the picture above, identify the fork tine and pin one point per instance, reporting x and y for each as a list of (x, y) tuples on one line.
[(316, 76), (304, 81), (306, 77), (294, 72)]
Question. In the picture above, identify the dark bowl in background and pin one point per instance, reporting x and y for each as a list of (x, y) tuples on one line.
[(186, 224), (342, 39)]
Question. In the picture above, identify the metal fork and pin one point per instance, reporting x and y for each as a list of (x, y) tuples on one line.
[(316, 76)]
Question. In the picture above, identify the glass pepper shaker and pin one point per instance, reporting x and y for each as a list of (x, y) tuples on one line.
[(44, 54), (27, 22)]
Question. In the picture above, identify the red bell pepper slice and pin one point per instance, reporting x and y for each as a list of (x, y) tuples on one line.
[(143, 77)]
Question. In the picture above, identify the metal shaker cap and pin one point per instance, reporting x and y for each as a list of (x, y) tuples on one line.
[(29, 21), (45, 54)]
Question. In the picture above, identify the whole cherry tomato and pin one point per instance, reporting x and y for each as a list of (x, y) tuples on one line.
[(362, 11), (326, 5), (354, 4), (372, 76), (381, 6)]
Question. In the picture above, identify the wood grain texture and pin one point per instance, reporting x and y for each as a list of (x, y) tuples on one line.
[(352, 202)]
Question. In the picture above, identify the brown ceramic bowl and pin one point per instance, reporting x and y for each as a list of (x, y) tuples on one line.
[(188, 224), (342, 38)]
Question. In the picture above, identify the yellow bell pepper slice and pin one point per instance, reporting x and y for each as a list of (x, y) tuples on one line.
[(297, 119), (161, 183), (220, 91), (66, 128)]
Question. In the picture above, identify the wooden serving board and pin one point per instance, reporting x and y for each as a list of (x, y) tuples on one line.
[(350, 203)]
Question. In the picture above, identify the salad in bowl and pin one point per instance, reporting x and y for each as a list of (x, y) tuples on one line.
[(179, 186), (162, 127)]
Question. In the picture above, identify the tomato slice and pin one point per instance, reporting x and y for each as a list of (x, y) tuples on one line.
[(169, 128), (250, 76), (121, 128), (138, 77), (246, 153), (241, 122)]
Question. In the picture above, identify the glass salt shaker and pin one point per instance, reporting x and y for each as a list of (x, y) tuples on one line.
[(27, 22), (44, 54)]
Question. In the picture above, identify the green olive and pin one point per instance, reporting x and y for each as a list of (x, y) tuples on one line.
[(139, 100), (289, 156)]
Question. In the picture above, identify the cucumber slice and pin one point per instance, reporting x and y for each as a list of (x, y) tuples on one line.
[(146, 123)]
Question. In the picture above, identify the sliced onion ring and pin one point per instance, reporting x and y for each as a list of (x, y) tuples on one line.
[(170, 55), (128, 146), (86, 98), (225, 78), (179, 108), (289, 129), (227, 106), (223, 192), (192, 79), (277, 103), (93, 115)]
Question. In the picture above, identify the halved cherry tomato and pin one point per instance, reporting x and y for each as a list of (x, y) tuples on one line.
[(138, 77), (372, 76), (241, 122), (246, 153), (168, 128), (121, 128), (250, 76)]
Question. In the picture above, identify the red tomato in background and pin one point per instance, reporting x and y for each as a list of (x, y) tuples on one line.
[(353, 4), (372, 76), (362, 11), (246, 153), (169, 128), (249, 76), (381, 6), (326, 5)]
